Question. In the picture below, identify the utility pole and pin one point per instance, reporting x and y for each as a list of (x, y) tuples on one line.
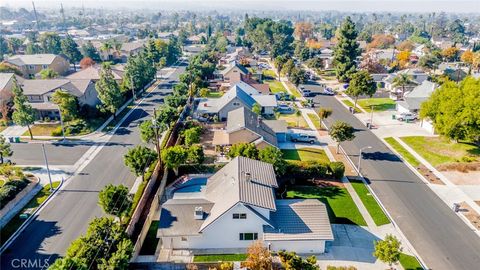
[(61, 123), (36, 16), (62, 11), (133, 89), (46, 164), (371, 117)]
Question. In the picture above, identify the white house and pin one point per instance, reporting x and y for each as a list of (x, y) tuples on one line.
[(416, 78), (237, 206), (239, 95)]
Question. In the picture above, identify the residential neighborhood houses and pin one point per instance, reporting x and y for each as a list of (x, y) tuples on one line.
[(188, 138)]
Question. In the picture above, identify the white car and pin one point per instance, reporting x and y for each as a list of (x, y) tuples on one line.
[(406, 117)]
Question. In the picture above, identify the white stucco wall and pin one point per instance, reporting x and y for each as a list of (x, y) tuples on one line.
[(301, 247)]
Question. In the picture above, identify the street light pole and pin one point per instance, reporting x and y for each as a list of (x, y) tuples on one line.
[(360, 157), (371, 117), (61, 123), (46, 164), (133, 89)]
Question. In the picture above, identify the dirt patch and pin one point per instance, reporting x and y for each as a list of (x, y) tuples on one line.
[(327, 183), (470, 214), (459, 178), (429, 175), (463, 167)]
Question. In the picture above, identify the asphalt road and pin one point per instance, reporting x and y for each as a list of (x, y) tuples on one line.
[(67, 215), (57, 154), (440, 237)]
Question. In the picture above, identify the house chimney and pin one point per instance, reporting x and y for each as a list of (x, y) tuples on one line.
[(198, 214)]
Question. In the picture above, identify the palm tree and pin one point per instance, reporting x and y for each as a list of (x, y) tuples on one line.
[(106, 47), (117, 47), (402, 80)]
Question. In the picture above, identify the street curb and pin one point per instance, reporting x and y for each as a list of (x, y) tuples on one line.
[(29, 219)]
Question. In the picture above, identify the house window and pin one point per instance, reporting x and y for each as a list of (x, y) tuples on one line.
[(44, 66), (184, 238), (240, 216), (248, 236), (30, 66), (236, 104)]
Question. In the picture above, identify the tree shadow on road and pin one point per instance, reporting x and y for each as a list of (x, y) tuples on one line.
[(380, 156)]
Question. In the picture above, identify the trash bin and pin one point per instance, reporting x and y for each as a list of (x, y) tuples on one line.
[(368, 125), (11, 139), (17, 139), (393, 117)]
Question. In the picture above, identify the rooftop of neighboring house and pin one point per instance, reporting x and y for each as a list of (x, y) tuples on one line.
[(418, 95), (41, 87), (5, 78), (417, 75), (93, 73), (32, 59), (244, 118), (132, 46), (231, 66)]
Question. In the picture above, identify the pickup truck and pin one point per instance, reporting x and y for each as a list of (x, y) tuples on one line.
[(301, 137)]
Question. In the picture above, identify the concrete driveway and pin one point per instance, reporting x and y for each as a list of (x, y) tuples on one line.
[(353, 246)]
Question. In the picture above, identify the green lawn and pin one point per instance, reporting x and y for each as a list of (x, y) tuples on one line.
[(214, 94), (294, 121), (16, 221), (379, 104), (270, 73), (350, 104), (340, 206), (438, 150), (220, 258), (315, 120), (305, 154), (2, 182), (293, 90), (151, 241), (409, 262), (276, 86), (402, 151), (42, 129), (370, 203)]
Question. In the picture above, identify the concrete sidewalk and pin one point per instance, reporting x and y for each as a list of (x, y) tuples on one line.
[(14, 131)]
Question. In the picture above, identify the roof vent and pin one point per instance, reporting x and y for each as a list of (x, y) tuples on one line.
[(248, 176), (198, 214)]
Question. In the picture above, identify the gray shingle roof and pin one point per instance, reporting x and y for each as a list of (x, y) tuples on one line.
[(244, 118), (232, 65), (32, 59), (41, 87), (177, 217), (299, 220), (243, 180)]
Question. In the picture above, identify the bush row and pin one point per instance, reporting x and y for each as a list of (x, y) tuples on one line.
[(312, 169), (10, 189)]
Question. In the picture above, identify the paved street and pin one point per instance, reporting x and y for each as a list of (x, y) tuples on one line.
[(441, 238), (67, 215), (58, 154)]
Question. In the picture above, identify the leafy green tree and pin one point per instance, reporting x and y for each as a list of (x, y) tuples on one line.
[(346, 51), (115, 200), (402, 80), (340, 132), (3, 47), (361, 83), (32, 48), (288, 67), (24, 114), (388, 250), (176, 101), (140, 71), (195, 154), (430, 61), (257, 109), (297, 76), (5, 150), (273, 156), (139, 158), (48, 73), (147, 133), (14, 44), (454, 110), (192, 135), (104, 246), (291, 261), (174, 156), (108, 91), (324, 113), (71, 51), (88, 50), (50, 42), (248, 150), (67, 103)]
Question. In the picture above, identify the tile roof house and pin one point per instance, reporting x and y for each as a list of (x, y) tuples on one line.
[(39, 93), (239, 95), (417, 76), (244, 126), (239, 201), (31, 64), (232, 68), (93, 73), (6, 86)]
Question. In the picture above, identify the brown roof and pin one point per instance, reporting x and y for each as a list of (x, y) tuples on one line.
[(93, 73)]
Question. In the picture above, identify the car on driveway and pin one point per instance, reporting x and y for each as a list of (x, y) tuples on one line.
[(284, 108), (406, 117), (302, 137), (328, 92)]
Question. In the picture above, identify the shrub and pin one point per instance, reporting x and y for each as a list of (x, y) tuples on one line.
[(10, 189), (337, 169), (226, 266)]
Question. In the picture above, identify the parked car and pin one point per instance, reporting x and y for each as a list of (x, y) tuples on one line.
[(306, 92), (284, 108), (302, 137), (406, 117), (8, 161), (328, 92)]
